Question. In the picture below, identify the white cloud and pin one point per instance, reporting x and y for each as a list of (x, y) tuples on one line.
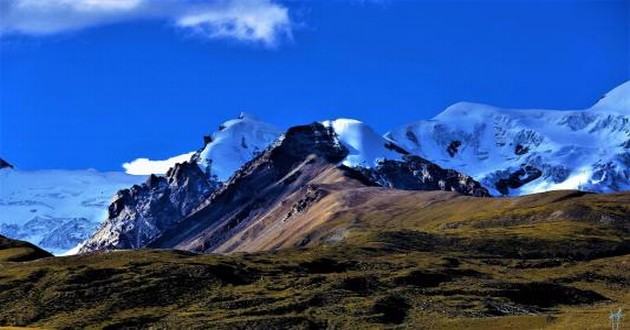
[(262, 21), (145, 166)]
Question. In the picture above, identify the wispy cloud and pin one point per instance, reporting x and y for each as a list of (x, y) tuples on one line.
[(145, 166), (259, 21)]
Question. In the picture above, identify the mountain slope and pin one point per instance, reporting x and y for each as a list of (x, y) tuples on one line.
[(406, 259), (56, 209), (139, 214), (517, 152), (260, 207), (18, 251), (305, 155)]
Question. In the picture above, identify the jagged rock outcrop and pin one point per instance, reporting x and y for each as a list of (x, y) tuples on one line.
[(5, 164), (139, 214), (417, 173)]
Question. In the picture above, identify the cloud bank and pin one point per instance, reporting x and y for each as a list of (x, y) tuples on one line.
[(259, 21), (145, 166)]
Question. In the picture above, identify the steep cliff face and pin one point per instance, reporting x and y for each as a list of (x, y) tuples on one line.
[(139, 214), (416, 173)]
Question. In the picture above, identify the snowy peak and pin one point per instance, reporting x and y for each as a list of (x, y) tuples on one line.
[(514, 152), (236, 142), (617, 100), (366, 147)]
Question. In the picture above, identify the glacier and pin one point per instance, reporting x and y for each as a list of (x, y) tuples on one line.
[(519, 152), (56, 209)]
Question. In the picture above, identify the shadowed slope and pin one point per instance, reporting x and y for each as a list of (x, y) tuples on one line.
[(13, 250)]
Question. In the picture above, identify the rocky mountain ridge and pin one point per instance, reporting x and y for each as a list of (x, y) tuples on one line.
[(292, 168)]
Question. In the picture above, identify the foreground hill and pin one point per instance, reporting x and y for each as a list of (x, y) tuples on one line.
[(378, 258), (17, 251)]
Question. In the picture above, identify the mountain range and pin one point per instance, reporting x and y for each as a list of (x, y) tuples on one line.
[(249, 175), (331, 225)]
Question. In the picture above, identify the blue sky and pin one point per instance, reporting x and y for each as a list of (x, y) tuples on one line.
[(102, 83)]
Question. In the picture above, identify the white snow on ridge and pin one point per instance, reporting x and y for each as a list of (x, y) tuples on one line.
[(56, 209), (236, 142), (617, 100), (366, 147), (582, 149)]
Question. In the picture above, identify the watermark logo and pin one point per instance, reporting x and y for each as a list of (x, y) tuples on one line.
[(615, 319)]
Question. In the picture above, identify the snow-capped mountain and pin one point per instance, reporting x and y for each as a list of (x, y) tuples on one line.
[(516, 152), (236, 142), (139, 214), (366, 147), (56, 209), (141, 217)]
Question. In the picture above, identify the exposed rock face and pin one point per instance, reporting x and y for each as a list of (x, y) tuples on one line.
[(4, 164), (292, 161), (517, 179), (137, 215), (417, 173)]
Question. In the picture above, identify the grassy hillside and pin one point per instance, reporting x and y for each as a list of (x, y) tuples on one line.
[(14, 250), (377, 258)]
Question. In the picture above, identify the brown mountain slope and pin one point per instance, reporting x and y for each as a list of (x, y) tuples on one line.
[(566, 222), (261, 206), (318, 203)]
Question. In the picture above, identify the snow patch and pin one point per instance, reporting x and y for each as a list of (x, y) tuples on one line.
[(366, 147)]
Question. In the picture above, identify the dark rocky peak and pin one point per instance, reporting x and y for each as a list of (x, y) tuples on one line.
[(301, 141), (140, 213), (183, 172), (207, 139), (5, 164), (294, 147), (284, 168)]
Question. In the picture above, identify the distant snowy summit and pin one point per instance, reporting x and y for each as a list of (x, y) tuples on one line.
[(518, 152)]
